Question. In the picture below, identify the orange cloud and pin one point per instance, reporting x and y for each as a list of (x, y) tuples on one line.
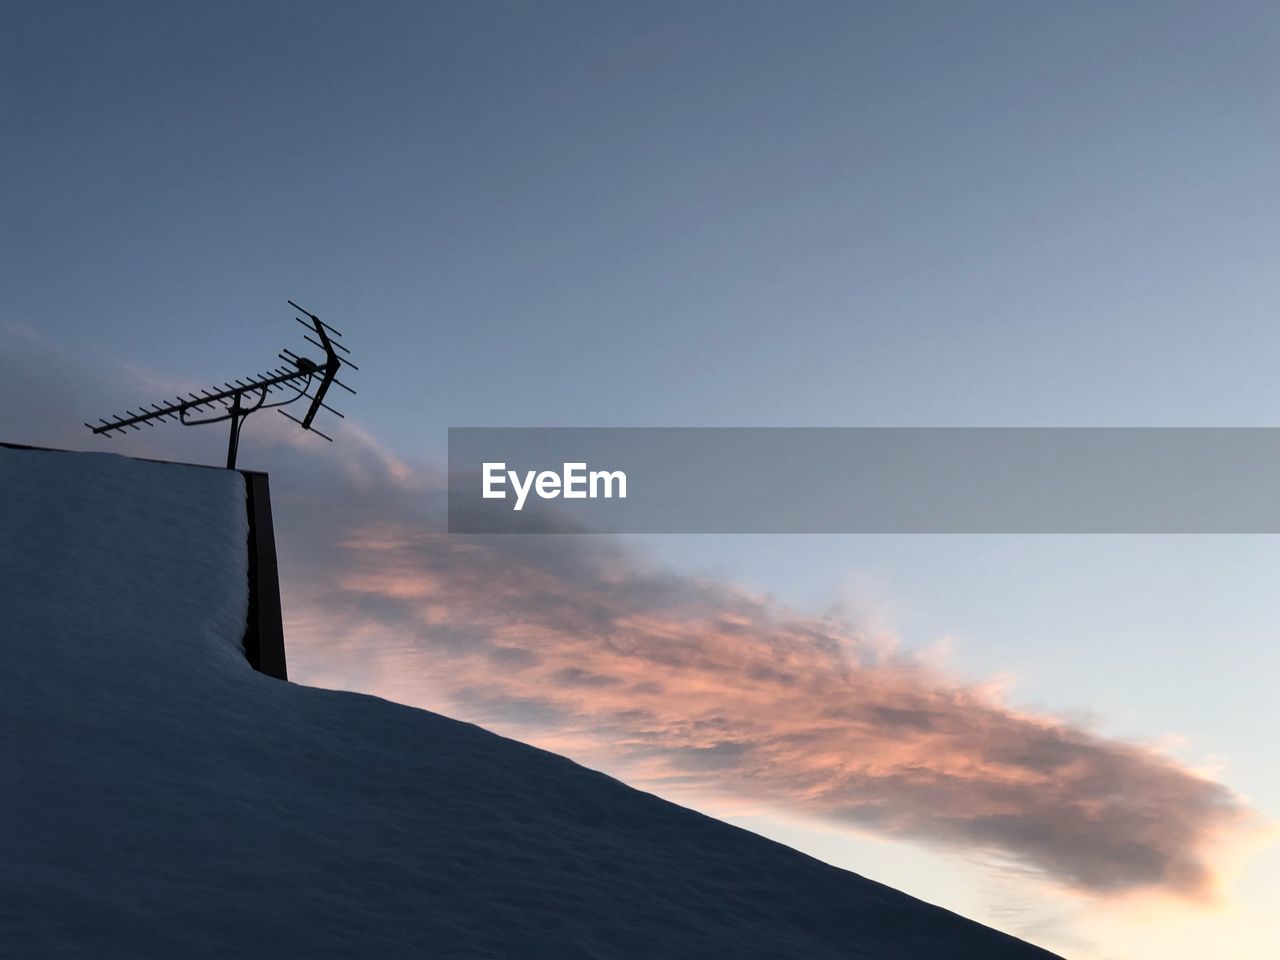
[(570, 642)]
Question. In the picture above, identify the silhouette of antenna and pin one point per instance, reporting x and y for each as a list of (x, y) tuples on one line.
[(297, 378)]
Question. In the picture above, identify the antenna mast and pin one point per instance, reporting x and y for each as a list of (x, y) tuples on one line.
[(298, 377)]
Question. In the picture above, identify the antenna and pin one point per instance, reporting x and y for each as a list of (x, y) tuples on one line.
[(297, 377)]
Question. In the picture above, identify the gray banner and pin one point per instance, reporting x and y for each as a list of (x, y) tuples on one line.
[(864, 480)]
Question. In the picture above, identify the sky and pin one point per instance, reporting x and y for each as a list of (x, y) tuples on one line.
[(746, 214)]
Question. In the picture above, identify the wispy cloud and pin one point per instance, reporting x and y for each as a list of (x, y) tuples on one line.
[(681, 683)]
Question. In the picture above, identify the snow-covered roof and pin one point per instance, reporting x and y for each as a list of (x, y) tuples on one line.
[(160, 799)]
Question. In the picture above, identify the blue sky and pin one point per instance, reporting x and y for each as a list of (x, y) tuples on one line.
[(725, 214), (758, 214)]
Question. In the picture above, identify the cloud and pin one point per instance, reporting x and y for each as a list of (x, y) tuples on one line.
[(683, 685)]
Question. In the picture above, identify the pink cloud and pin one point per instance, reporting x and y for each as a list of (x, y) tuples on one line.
[(673, 682)]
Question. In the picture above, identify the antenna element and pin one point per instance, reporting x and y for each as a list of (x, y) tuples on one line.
[(297, 378)]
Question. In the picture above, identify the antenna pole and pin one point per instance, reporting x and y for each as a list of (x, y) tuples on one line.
[(233, 442)]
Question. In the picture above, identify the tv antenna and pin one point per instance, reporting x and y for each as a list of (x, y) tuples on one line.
[(297, 378)]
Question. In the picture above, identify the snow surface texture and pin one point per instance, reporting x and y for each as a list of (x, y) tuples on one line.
[(159, 799)]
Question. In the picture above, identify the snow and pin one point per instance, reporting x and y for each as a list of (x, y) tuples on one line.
[(159, 799)]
